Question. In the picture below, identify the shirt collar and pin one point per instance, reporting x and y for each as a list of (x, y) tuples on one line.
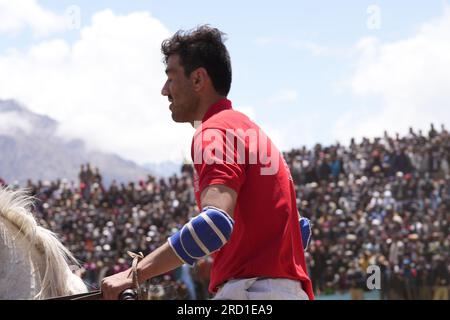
[(222, 104)]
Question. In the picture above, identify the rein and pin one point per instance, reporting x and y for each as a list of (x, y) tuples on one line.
[(130, 294)]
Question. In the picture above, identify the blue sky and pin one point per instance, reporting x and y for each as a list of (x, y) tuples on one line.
[(306, 71)]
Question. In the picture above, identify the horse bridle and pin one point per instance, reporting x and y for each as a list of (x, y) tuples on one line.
[(129, 294)]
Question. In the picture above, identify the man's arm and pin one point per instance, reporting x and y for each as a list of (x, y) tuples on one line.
[(164, 258), (160, 261), (219, 196)]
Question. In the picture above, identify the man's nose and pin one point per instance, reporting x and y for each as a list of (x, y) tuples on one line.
[(165, 89)]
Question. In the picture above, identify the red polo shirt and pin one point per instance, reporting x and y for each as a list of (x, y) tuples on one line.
[(229, 149)]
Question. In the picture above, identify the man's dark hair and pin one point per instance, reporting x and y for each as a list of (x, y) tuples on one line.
[(202, 47)]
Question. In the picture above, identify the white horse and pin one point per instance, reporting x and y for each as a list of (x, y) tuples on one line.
[(33, 262)]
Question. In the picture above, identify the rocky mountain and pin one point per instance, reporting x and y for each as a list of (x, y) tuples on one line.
[(31, 149), (164, 169)]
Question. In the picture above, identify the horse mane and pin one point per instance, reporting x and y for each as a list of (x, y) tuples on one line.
[(15, 208)]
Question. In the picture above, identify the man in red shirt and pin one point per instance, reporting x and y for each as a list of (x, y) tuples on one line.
[(249, 220)]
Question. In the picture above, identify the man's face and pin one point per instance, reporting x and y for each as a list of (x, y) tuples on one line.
[(180, 92)]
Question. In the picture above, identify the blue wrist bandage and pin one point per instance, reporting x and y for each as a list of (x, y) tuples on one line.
[(305, 230), (202, 235)]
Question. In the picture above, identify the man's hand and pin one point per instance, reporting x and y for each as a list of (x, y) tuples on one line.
[(113, 285)]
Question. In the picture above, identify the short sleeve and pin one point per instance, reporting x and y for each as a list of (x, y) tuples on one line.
[(215, 157)]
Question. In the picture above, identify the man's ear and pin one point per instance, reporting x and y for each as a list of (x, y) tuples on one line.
[(199, 78)]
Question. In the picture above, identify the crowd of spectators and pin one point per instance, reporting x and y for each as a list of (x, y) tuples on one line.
[(382, 202)]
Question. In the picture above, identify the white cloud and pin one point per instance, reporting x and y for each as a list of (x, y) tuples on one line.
[(11, 121), (285, 96), (15, 16), (104, 88), (400, 84)]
